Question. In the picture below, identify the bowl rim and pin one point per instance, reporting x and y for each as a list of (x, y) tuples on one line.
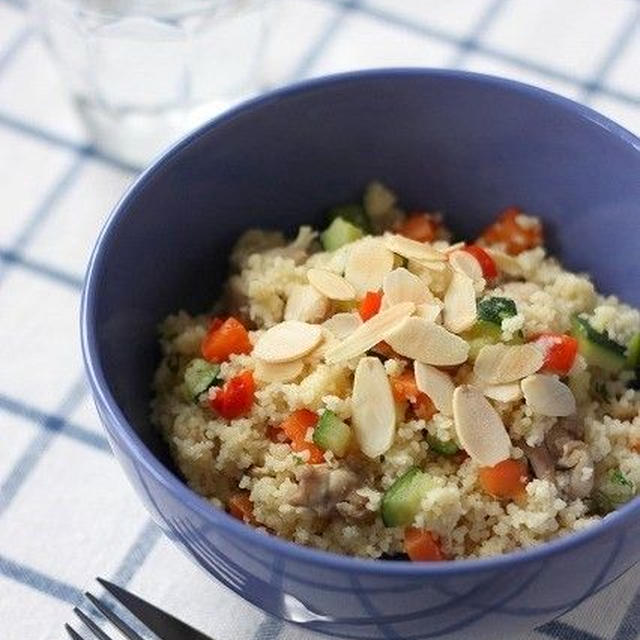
[(124, 434)]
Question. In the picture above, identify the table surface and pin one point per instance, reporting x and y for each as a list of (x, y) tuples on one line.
[(66, 511)]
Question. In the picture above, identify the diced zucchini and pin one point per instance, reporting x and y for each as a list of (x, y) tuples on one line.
[(596, 347), (495, 310), (443, 447), (332, 434), (199, 376), (484, 333), (401, 500), (633, 352), (353, 213), (481, 334), (613, 492), (339, 233)]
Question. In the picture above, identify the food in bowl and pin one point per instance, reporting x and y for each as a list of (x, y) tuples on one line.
[(376, 389)]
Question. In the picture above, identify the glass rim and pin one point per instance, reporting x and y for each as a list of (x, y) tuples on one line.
[(154, 8)]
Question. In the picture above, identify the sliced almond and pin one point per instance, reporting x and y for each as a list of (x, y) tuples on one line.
[(460, 310), (479, 286), (371, 332), (400, 285), (506, 263), (501, 363), (427, 342), (432, 265), (429, 310), (510, 392), (479, 427), (373, 415), (306, 304), (278, 372), (436, 384), (463, 262), (367, 264), (342, 325), (455, 247), (411, 249), (330, 284), (547, 396), (287, 341)]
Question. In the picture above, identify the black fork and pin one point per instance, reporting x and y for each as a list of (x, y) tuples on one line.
[(163, 624)]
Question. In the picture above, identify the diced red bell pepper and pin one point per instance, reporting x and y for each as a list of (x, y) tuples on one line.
[(489, 268), (240, 506), (421, 545), (421, 227), (370, 305), (235, 397), (295, 426), (403, 387), (506, 480), (225, 338), (515, 237), (559, 351)]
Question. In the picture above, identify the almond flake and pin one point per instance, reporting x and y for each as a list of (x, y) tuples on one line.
[(373, 416), (436, 384), (427, 342), (287, 341), (506, 263), (400, 285), (432, 265), (480, 429), (371, 332), (429, 310), (306, 304), (342, 325), (411, 249), (547, 396), (278, 372), (463, 262), (455, 247), (330, 284), (460, 311), (501, 363), (510, 392), (367, 264)]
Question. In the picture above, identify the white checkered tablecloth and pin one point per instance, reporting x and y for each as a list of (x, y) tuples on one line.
[(66, 512)]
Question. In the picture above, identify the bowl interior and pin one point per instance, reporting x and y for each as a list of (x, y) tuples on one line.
[(463, 144)]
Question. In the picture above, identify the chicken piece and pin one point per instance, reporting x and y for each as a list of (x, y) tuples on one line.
[(354, 508), (541, 461), (572, 454), (321, 489), (574, 426), (578, 459)]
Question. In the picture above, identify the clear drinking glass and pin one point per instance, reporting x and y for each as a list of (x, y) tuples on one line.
[(144, 72)]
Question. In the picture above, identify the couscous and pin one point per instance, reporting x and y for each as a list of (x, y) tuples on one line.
[(379, 390)]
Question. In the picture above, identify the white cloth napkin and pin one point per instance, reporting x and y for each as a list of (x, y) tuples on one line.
[(66, 512)]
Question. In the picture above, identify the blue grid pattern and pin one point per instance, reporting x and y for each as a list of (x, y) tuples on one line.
[(71, 425)]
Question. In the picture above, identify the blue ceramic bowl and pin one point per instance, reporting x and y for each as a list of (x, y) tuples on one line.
[(465, 144)]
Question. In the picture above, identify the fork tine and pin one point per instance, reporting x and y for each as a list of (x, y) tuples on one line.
[(95, 629), (110, 615), (161, 623), (72, 632)]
